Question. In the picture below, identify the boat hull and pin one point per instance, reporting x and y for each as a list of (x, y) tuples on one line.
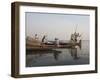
[(45, 47)]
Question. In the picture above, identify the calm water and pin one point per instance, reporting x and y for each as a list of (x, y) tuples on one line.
[(74, 56)]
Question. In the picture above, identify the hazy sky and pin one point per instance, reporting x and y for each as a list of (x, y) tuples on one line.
[(56, 25)]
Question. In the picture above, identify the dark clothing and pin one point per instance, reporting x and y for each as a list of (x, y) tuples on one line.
[(43, 38)]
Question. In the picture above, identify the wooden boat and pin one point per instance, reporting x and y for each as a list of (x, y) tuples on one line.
[(46, 47), (33, 44)]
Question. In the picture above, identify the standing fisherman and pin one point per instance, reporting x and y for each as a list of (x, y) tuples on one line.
[(44, 40), (76, 36)]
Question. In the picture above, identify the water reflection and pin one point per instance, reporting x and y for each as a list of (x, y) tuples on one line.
[(37, 54), (56, 54), (74, 53), (61, 56)]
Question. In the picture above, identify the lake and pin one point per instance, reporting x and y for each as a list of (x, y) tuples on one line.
[(75, 56)]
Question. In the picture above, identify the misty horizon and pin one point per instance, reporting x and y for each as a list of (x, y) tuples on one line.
[(59, 26)]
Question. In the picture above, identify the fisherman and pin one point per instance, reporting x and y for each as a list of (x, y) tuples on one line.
[(44, 39), (79, 37), (56, 42), (76, 36), (72, 37)]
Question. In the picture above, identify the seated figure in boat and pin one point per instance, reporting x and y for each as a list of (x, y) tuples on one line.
[(57, 42), (36, 37)]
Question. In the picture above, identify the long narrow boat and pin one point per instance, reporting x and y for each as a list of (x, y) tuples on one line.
[(33, 44), (46, 47)]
